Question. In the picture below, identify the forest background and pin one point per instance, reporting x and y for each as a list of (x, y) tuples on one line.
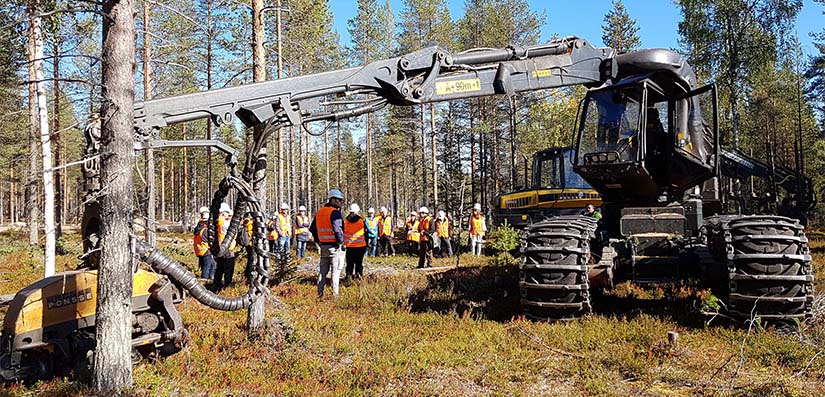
[(768, 57)]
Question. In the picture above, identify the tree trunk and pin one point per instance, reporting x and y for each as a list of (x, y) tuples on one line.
[(338, 182), (255, 314), (435, 158), (326, 155), (369, 159), (472, 152), (150, 154), (185, 211), (512, 119), (163, 188), (31, 184), (279, 71), (58, 174), (209, 33), (424, 193), (46, 146), (112, 363)]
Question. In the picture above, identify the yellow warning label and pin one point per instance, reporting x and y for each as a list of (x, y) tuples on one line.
[(543, 73), (457, 86)]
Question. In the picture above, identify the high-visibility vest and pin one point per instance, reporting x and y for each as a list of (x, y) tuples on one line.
[(247, 222), (222, 226), (477, 225), (385, 226), (443, 228), (354, 234), (300, 221), (273, 232), (201, 247), (423, 226), (414, 236), (283, 223), (323, 222), (372, 224)]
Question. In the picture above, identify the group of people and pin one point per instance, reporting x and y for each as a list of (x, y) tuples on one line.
[(343, 241)]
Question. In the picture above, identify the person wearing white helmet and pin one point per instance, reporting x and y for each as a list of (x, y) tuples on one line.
[(283, 225), (443, 231), (412, 233), (302, 223), (372, 232), (385, 232), (478, 228), (206, 261), (426, 229), (328, 231), (355, 239), (225, 266)]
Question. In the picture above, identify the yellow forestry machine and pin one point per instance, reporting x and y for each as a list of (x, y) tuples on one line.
[(653, 181), (556, 190)]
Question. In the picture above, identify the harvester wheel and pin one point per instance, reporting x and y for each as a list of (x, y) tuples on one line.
[(553, 275), (770, 277)]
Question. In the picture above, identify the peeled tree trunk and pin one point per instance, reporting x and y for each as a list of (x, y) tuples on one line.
[(46, 148), (112, 361)]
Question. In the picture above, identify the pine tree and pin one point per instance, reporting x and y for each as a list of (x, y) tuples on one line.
[(619, 30)]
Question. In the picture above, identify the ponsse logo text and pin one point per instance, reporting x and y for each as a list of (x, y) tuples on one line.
[(69, 298)]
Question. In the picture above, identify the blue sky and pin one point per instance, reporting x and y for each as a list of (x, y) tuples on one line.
[(657, 19)]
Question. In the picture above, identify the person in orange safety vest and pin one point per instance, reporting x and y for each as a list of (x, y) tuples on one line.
[(302, 234), (443, 230), (426, 231), (385, 232), (412, 233), (355, 239), (478, 228), (206, 261)]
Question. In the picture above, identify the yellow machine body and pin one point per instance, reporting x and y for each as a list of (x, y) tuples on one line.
[(49, 326), (556, 190), (64, 300)]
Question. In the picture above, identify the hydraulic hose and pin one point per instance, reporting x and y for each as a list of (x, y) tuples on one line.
[(163, 264), (246, 203)]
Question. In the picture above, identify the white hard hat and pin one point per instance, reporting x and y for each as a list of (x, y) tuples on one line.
[(477, 207), (335, 193), (225, 208), (441, 214), (203, 209), (354, 208), (413, 213), (302, 208), (371, 210), (383, 209), (424, 210), (284, 206)]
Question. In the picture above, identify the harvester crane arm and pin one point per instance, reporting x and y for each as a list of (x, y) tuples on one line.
[(425, 76)]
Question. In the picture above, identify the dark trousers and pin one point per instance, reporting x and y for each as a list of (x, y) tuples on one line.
[(445, 247), (425, 253), (207, 265), (224, 272), (386, 245), (355, 261), (273, 247)]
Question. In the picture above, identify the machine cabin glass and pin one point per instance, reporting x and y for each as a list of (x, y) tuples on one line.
[(554, 170), (610, 129)]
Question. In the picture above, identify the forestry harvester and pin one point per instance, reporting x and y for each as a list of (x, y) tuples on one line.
[(657, 183)]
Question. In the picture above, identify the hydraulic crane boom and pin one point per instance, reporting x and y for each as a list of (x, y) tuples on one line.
[(428, 75)]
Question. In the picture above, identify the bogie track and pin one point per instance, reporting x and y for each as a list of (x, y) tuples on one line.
[(769, 266), (553, 275)]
